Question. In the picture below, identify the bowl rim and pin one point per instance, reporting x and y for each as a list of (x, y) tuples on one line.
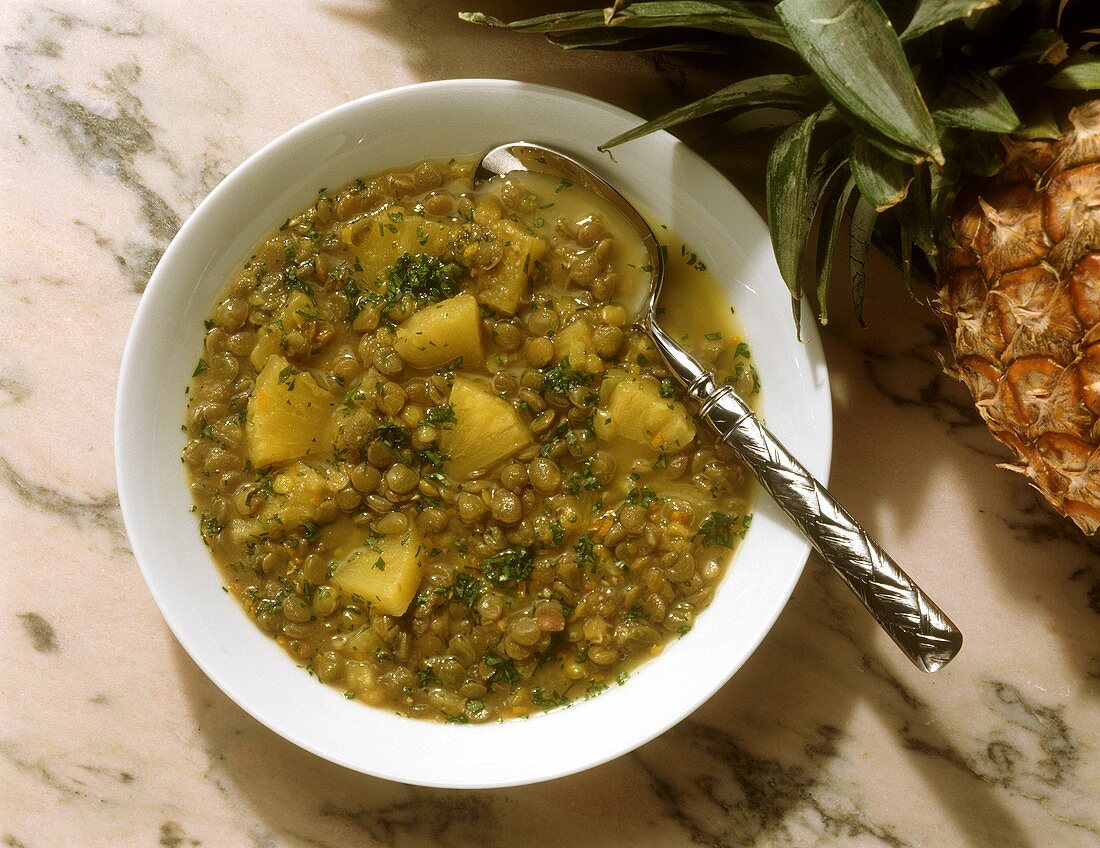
[(127, 405)]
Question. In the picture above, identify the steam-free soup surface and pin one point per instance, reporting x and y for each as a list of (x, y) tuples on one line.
[(434, 460)]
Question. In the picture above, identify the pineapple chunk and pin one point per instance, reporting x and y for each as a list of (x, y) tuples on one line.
[(380, 239), (286, 415), (503, 287), (487, 429), (385, 572), (574, 342), (636, 411), (441, 333)]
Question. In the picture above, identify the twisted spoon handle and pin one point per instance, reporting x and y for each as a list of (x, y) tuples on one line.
[(901, 608)]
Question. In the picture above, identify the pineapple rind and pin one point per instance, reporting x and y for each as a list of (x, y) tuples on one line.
[(1020, 298)]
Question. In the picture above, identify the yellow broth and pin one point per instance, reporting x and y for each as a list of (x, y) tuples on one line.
[(435, 461)]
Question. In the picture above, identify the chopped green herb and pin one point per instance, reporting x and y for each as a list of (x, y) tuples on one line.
[(562, 377), (509, 566), (209, 527), (427, 278), (466, 588), (586, 551), (501, 670), (642, 496), (425, 677), (717, 530), (443, 414), (541, 698), (475, 706)]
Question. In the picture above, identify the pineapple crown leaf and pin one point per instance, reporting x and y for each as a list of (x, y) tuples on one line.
[(859, 242), (853, 49), (780, 90), (730, 17), (790, 197), (882, 180), (932, 14), (855, 131), (971, 99), (833, 206), (1077, 73)]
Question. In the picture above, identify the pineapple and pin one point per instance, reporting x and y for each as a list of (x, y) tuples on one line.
[(384, 571), (575, 342), (286, 411), (486, 429), (637, 412), (441, 333), (905, 115), (503, 287), (1020, 298)]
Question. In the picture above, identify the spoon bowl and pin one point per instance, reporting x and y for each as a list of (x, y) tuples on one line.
[(918, 627)]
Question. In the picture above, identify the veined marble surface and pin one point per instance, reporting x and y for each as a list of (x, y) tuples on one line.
[(117, 118)]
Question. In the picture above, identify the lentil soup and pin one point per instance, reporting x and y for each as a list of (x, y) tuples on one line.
[(434, 460)]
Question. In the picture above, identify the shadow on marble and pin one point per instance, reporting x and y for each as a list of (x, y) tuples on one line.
[(434, 45)]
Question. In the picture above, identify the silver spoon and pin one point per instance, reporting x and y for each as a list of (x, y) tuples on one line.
[(901, 608)]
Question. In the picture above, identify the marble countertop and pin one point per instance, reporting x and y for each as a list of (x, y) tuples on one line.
[(118, 117)]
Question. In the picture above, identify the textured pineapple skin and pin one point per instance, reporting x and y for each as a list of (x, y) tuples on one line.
[(1020, 299)]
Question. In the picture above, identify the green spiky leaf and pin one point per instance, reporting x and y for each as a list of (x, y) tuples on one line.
[(981, 154), (892, 148), (755, 124), (677, 41), (555, 22), (1043, 47), (1078, 73), (915, 219), (972, 100), (771, 90), (859, 243), (788, 200), (931, 14), (943, 189), (748, 19), (832, 214), (883, 181), (751, 19), (1041, 123), (907, 262), (857, 56)]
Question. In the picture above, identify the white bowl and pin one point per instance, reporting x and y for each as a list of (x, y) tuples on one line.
[(393, 128)]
